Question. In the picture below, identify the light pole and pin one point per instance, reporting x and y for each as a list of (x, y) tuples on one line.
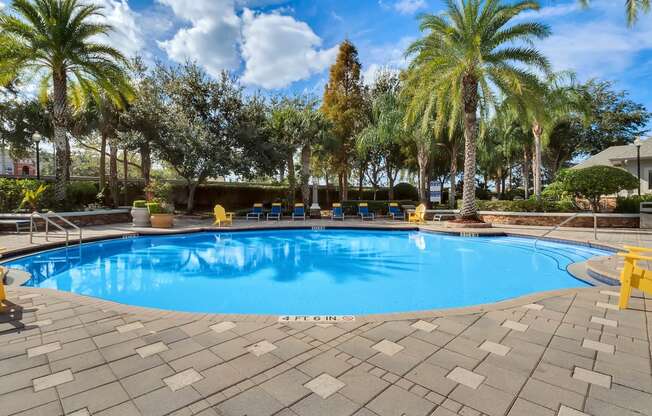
[(36, 138), (637, 143)]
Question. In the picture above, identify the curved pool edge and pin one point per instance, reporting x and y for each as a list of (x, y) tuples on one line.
[(24, 251), (107, 305)]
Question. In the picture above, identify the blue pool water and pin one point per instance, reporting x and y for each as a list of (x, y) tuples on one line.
[(307, 272)]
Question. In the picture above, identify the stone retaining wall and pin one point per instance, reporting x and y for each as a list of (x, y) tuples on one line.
[(550, 220)]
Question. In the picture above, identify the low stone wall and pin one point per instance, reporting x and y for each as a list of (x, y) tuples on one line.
[(82, 219), (552, 219)]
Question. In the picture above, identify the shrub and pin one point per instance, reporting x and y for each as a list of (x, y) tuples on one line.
[(155, 208), (160, 191), (591, 183), (406, 191), (140, 203), (631, 204), (81, 193), (32, 197), (527, 205)]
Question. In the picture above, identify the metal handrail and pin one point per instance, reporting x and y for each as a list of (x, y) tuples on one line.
[(556, 227), (68, 222), (48, 221)]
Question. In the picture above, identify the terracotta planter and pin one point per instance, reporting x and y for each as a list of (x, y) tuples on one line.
[(140, 217), (161, 220)]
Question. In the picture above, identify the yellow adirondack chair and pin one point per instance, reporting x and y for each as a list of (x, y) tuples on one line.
[(633, 276), (222, 217), (419, 215)]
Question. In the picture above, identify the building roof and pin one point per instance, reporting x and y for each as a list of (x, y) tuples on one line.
[(615, 155)]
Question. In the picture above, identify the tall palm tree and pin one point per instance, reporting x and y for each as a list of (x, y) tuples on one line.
[(555, 100), (55, 40), (469, 49), (632, 9)]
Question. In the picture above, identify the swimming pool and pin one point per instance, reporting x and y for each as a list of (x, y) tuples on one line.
[(297, 272)]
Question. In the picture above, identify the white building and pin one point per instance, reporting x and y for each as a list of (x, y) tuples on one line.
[(625, 157)]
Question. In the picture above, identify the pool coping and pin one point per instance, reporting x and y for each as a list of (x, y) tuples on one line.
[(594, 280)]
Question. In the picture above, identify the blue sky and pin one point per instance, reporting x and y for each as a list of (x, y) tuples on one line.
[(282, 46)]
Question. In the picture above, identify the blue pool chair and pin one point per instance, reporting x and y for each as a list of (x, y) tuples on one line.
[(395, 212), (299, 212), (275, 213), (363, 211), (256, 212), (336, 212)]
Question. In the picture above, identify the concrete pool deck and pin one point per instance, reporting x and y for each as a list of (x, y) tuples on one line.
[(557, 353)]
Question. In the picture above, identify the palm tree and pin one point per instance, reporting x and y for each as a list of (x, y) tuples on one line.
[(54, 41), (469, 49), (557, 99), (632, 9)]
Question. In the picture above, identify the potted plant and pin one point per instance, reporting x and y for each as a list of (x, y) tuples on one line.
[(140, 214), (159, 215)]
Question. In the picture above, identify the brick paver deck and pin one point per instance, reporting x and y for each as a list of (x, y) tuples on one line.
[(566, 354)]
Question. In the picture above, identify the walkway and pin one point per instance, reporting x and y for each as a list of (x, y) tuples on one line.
[(567, 353)]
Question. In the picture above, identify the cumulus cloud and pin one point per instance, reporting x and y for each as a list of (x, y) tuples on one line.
[(600, 47), (279, 50), (212, 37), (409, 6), (127, 35)]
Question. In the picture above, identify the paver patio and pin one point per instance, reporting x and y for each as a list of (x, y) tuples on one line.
[(565, 353)]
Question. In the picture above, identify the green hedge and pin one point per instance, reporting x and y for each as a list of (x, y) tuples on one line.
[(79, 194), (631, 205), (528, 205)]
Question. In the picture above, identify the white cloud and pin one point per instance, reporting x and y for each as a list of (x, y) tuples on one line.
[(279, 50), (409, 6), (127, 35), (550, 11), (212, 37), (387, 57), (600, 47)]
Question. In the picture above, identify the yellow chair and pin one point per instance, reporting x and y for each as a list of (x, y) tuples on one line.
[(419, 215), (222, 217), (633, 276)]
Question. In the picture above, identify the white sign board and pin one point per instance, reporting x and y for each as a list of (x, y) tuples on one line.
[(435, 192)]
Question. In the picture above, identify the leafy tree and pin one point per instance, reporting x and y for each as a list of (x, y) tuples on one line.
[(55, 40), (19, 120), (592, 183), (614, 119), (466, 49), (381, 139), (343, 105)]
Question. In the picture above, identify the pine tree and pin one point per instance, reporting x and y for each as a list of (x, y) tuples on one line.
[(343, 105)]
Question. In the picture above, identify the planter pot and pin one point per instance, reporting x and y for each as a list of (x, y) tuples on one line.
[(161, 220), (140, 217)]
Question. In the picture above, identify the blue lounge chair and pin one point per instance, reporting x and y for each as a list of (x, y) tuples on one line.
[(336, 212), (395, 212), (275, 213), (256, 212), (299, 212), (363, 211)]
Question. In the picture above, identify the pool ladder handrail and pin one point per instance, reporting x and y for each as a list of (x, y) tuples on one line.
[(48, 221), (556, 227)]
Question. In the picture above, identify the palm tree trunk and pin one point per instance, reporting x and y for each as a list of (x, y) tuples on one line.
[(469, 209), (145, 162), (344, 184), (390, 179), (537, 131), (102, 161), (452, 193), (306, 153), (125, 170), (291, 179), (60, 113), (113, 172), (526, 173), (423, 159)]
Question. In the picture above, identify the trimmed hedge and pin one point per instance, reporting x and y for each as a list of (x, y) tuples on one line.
[(527, 205), (631, 204)]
